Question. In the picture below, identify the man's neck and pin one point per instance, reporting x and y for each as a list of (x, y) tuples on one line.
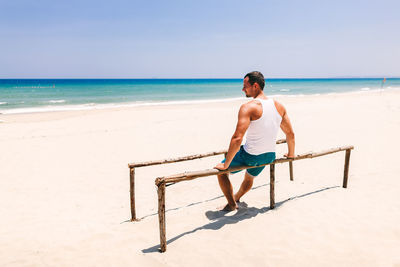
[(261, 96)]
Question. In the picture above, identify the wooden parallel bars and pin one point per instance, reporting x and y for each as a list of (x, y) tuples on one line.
[(132, 167), (291, 170), (132, 193), (161, 182), (161, 215), (272, 186), (346, 168)]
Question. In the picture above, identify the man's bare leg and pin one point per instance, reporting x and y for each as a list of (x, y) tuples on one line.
[(227, 189), (245, 186)]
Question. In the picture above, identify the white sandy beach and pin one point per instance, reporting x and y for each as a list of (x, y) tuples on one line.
[(64, 188)]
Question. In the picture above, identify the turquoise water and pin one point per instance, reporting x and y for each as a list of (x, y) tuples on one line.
[(29, 95)]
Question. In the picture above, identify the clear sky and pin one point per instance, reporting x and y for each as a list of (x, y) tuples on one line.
[(198, 39)]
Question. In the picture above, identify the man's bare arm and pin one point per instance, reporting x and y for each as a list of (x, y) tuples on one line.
[(286, 127), (236, 140)]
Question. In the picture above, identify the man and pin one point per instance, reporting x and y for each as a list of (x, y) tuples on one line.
[(261, 118)]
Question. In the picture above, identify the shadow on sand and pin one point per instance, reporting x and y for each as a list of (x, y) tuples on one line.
[(192, 204), (220, 219)]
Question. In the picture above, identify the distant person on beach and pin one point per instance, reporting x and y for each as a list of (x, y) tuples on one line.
[(261, 118)]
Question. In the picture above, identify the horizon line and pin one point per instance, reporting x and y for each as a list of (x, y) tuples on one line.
[(220, 78)]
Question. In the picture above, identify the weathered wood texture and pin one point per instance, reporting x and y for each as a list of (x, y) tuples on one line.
[(185, 158), (203, 173), (272, 186), (132, 193), (346, 168), (161, 216)]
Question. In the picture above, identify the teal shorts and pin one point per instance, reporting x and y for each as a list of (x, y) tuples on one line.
[(242, 158)]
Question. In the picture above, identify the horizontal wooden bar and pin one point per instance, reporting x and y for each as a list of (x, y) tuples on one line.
[(184, 158), (186, 176)]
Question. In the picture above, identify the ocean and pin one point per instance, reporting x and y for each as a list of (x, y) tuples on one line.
[(38, 95)]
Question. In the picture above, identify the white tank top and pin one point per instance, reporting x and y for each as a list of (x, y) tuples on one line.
[(262, 133)]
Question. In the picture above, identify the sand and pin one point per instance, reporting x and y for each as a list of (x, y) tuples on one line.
[(64, 192)]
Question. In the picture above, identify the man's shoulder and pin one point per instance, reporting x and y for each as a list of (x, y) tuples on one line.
[(250, 108), (251, 104), (280, 108)]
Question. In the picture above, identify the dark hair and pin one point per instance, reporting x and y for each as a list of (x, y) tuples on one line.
[(256, 77)]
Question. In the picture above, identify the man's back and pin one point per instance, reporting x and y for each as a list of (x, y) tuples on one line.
[(263, 129)]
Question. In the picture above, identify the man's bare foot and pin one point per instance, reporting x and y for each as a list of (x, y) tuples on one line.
[(227, 207), (236, 198)]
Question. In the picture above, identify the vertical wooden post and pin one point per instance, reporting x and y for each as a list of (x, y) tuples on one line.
[(132, 193), (161, 215), (291, 170), (272, 186), (346, 168)]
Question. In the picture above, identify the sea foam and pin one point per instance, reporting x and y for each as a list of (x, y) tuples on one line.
[(56, 101)]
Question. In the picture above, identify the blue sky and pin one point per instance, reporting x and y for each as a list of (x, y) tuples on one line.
[(198, 39)]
